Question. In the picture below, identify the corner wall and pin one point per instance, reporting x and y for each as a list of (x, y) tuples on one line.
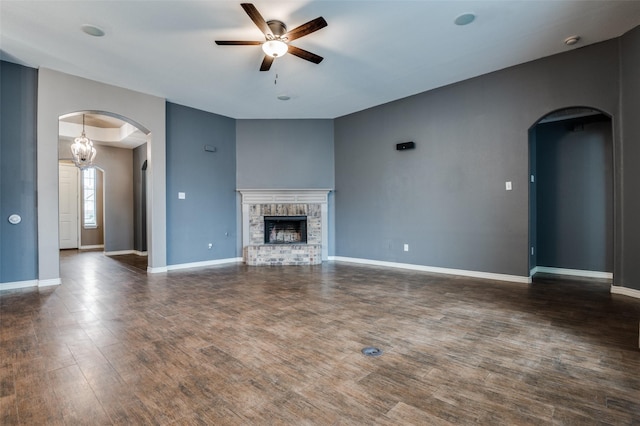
[(207, 214), (285, 154), (446, 199)]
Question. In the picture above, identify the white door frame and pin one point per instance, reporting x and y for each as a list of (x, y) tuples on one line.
[(75, 193)]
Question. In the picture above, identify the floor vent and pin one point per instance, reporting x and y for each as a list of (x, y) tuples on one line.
[(371, 351)]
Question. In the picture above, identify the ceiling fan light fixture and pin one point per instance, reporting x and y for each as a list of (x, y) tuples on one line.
[(275, 48), (277, 38)]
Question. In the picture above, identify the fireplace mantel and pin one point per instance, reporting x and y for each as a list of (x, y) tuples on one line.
[(284, 196), (252, 197)]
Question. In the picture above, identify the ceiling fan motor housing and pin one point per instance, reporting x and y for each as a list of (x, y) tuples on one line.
[(278, 38), (278, 28)]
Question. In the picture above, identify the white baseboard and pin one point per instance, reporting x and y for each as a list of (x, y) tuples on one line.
[(30, 283), (203, 263), (119, 252), (156, 270), (97, 246), (50, 282), (18, 284), (625, 291), (572, 272), (437, 270)]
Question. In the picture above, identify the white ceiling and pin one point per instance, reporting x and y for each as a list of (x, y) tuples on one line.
[(374, 51), (101, 129)]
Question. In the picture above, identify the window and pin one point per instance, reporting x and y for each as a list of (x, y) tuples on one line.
[(89, 198)]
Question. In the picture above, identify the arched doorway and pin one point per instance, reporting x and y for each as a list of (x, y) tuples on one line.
[(121, 149), (571, 221), (59, 94)]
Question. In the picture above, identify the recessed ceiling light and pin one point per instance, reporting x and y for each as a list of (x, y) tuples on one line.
[(92, 30), (465, 19), (570, 41), (284, 97)]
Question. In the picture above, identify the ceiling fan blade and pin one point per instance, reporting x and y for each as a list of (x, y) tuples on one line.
[(257, 19), (301, 53), (266, 63), (237, 43), (307, 28)]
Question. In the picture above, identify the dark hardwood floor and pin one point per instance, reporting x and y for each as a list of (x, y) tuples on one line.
[(282, 345)]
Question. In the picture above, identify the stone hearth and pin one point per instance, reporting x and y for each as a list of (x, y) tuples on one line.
[(257, 203)]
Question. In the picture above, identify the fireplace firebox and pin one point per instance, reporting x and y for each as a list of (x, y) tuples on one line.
[(285, 229)]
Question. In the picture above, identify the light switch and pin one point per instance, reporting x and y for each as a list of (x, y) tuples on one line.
[(182, 195), (507, 186)]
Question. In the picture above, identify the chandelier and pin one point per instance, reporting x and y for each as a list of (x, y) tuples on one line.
[(82, 150)]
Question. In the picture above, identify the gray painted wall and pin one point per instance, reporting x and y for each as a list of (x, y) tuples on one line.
[(18, 243), (447, 198), (117, 164), (575, 194), (629, 232), (117, 167), (208, 213), (276, 154)]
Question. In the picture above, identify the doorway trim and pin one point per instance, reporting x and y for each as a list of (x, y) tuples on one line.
[(76, 202)]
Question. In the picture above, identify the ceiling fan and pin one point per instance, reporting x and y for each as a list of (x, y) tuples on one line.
[(277, 37)]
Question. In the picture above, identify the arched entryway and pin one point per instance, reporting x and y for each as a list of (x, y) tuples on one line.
[(571, 214), (60, 94), (121, 150)]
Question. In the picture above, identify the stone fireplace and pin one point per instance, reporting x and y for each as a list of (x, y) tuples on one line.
[(284, 227)]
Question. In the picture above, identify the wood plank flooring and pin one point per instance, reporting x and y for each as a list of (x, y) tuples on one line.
[(281, 345)]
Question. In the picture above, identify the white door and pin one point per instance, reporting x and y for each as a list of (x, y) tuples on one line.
[(68, 205)]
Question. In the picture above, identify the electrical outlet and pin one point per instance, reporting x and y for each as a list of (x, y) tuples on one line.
[(406, 247), (210, 246), (507, 186)]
